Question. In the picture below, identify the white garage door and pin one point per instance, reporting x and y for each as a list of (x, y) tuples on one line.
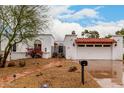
[(94, 52)]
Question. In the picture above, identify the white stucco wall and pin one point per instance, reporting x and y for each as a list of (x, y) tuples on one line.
[(3, 43), (18, 55), (118, 50), (70, 50)]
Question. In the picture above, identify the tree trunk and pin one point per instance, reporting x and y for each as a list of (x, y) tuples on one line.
[(5, 57)]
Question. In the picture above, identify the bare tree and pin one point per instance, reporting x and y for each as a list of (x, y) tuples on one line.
[(21, 22)]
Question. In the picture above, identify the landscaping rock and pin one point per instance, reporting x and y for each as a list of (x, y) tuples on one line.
[(72, 69), (58, 65), (40, 74), (11, 64), (22, 63), (38, 63), (37, 75)]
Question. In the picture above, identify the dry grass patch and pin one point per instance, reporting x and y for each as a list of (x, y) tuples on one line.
[(30, 64), (56, 77)]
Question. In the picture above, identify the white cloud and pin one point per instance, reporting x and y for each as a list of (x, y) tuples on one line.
[(56, 11), (98, 7), (84, 13), (63, 12), (60, 29)]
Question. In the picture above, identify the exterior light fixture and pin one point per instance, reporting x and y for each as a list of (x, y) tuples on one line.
[(73, 44), (45, 49)]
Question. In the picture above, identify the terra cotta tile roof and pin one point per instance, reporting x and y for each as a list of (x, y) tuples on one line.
[(94, 40)]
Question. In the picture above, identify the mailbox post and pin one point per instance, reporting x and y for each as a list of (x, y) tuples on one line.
[(82, 63)]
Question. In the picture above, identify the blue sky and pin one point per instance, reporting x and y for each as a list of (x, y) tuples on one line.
[(105, 19), (107, 12)]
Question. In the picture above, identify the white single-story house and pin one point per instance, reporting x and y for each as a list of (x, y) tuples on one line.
[(72, 47), (103, 54)]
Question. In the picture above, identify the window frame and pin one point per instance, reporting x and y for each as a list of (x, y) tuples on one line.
[(98, 45), (82, 45), (107, 45), (90, 45)]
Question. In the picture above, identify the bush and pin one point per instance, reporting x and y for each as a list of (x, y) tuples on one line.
[(11, 64), (22, 63), (54, 55), (34, 52), (72, 69)]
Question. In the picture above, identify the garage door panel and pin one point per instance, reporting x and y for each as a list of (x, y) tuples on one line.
[(94, 52)]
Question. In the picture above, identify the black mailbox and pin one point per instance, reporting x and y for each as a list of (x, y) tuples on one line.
[(83, 62)]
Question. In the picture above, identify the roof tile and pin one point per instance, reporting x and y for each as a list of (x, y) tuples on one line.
[(94, 40)]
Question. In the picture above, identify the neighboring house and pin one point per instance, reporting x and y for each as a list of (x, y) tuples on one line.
[(72, 47)]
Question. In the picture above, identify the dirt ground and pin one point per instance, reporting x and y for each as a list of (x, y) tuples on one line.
[(53, 72)]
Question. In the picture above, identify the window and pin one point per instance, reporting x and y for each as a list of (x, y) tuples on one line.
[(14, 48), (81, 45), (60, 49), (38, 45), (106, 45), (98, 45), (89, 45)]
